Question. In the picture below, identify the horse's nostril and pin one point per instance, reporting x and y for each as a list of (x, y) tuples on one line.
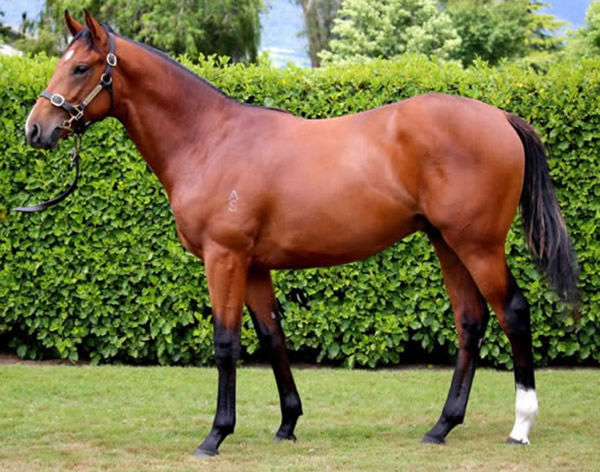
[(35, 133)]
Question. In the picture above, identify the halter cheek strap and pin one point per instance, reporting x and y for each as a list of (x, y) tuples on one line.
[(76, 122)]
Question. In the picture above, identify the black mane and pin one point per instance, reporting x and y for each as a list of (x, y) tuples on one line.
[(86, 36)]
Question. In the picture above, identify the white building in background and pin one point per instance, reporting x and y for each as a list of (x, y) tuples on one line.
[(7, 50)]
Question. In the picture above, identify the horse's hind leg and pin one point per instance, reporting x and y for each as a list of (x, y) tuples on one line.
[(488, 268), (260, 300), (471, 317)]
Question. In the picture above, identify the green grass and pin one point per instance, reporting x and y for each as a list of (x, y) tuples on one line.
[(61, 418)]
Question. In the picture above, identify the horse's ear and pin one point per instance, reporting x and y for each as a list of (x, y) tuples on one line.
[(98, 33), (73, 26)]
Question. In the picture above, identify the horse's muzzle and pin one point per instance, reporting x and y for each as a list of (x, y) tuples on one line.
[(37, 138)]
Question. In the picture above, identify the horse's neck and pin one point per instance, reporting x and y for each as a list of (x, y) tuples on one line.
[(168, 112)]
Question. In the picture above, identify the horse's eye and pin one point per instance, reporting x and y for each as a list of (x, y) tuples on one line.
[(80, 69)]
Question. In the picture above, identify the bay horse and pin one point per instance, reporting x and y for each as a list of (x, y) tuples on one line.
[(254, 189)]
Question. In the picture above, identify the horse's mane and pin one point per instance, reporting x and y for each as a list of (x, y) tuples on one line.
[(85, 35)]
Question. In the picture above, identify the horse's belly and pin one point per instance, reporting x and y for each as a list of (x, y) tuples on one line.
[(320, 241)]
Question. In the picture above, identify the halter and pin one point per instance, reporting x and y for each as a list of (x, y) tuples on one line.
[(76, 123), (76, 111)]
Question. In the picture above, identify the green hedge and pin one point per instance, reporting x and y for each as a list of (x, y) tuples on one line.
[(104, 277)]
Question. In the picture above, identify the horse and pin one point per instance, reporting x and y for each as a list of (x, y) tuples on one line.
[(255, 189)]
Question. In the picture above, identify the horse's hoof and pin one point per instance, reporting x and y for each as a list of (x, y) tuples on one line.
[(432, 440), (518, 442), (289, 437), (205, 452)]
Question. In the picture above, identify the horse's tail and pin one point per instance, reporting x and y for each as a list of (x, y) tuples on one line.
[(543, 223)]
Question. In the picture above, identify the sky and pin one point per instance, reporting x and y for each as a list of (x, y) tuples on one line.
[(570, 10), (281, 35), (13, 8)]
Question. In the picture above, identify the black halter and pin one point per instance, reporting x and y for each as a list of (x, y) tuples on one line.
[(76, 122)]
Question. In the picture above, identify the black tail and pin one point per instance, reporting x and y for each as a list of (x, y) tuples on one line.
[(543, 222)]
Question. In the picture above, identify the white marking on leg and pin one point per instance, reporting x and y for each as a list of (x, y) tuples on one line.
[(526, 409)]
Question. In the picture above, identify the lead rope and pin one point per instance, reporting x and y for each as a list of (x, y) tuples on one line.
[(68, 191)]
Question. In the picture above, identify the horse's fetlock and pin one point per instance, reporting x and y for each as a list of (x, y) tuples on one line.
[(453, 414), (455, 419), (291, 406), (225, 425)]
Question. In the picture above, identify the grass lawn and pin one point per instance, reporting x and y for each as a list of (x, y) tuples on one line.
[(63, 418)]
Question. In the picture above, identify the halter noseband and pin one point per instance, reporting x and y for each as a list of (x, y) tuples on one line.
[(76, 122)]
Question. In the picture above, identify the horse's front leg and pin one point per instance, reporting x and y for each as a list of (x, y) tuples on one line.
[(226, 272), (260, 300)]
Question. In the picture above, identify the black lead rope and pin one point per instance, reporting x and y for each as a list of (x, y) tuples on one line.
[(68, 191)]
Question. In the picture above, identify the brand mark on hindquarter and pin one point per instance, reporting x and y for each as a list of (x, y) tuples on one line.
[(233, 201)]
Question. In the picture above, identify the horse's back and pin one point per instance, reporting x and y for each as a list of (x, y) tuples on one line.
[(348, 187)]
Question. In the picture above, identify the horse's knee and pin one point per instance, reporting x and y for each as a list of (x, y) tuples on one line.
[(269, 335), (271, 341), (473, 330), (227, 347)]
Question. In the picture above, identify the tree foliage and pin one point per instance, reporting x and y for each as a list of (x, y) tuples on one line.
[(5, 32), (586, 41), (450, 29), (488, 29), (191, 27), (543, 28), (318, 20), (2, 27), (389, 28)]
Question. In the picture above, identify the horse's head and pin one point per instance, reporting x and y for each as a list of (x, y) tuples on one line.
[(80, 90)]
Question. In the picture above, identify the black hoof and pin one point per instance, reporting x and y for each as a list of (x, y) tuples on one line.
[(432, 440), (517, 442), (289, 437), (205, 452)]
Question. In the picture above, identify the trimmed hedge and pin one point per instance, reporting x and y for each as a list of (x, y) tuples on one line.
[(104, 277)]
